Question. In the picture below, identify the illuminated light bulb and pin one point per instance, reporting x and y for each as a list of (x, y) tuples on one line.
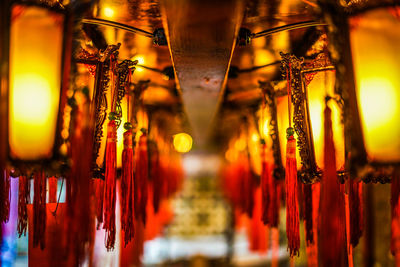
[(255, 138), (141, 61), (108, 12), (182, 142)]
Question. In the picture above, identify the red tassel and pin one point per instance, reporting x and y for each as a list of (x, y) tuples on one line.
[(5, 198), (156, 178), (127, 181), (258, 231), (266, 187), (292, 206), (356, 211), (39, 210), (248, 188), (99, 193), (79, 209), (110, 185), (276, 193), (23, 200), (311, 196), (142, 174), (275, 247), (395, 207), (52, 189), (332, 233), (308, 213)]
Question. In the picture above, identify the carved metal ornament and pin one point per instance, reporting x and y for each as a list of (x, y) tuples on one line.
[(99, 101), (291, 68), (121, 83), (269, 95)]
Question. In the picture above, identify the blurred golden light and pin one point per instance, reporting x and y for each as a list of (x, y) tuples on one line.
[(240, 144), (35, 79), (255, 138), (108, 12), (375, 42), (141, 61), (182, 142)]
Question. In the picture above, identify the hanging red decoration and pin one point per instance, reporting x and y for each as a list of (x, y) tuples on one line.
[(110, 183), (39, 209), (23, 200), (266, 186), (98, 185), (127, 184), (5, 197), (332, 233), (292, 207), (156, 177), (395, 207), (258, 232), (79, 210), (142, 174), (356, 211), (52, 181), (308, 212), (248, 185)]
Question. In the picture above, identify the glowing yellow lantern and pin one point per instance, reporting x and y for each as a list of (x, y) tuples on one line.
[(182, 142), (36, 97), (375, 44)]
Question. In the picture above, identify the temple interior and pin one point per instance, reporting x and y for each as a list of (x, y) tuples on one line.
[(200, 133)]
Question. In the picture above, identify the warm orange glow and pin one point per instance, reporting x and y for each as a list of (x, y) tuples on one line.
[(375, 44), (182, 142), (240, 144), (322, 84), (35, 73)]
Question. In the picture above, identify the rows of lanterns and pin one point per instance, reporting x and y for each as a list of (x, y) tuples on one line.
[(72, 131)]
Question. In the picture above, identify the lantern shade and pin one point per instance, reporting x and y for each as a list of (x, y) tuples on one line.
[(375, 44), (321, 85), (36, 55)]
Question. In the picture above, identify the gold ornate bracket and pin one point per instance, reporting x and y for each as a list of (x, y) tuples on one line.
[(99, 102), (121, 83), (292, 68), (269, 94)]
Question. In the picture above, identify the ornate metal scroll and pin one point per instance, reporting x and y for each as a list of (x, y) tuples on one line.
[(269, 94), (121, 84), (99, 107), (292, 67)]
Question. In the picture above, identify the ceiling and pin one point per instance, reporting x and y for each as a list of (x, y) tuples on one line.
[(202, 50)]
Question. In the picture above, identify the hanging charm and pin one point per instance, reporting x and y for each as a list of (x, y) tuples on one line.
[(127, 185), (142, 175), (292, 210), (332, 233), (110, 182), (39, 209)]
